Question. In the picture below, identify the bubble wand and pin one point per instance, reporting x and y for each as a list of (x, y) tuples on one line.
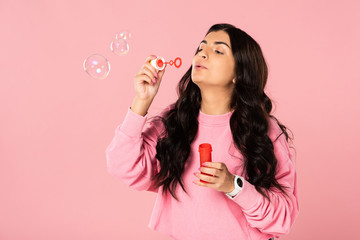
[(159, 63)]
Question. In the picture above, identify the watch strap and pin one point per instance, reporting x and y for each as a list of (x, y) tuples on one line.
[(238, 183)]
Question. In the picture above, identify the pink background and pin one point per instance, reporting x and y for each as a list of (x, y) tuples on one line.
[(56, 121)]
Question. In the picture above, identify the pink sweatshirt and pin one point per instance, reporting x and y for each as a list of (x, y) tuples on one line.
[(205, 213)]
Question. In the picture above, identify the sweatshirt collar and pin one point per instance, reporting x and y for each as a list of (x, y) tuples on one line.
[(214, 120)]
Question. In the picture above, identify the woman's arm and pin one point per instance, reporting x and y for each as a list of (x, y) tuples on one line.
[(277, 215), (131, 154)]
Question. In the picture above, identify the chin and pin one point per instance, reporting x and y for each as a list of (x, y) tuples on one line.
[(197, 80)]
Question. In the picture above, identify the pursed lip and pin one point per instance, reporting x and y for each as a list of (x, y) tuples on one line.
[(199, 66)]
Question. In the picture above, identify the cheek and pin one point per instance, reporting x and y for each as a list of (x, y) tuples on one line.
[(225, 72)]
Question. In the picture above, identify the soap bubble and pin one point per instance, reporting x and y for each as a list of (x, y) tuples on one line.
[(119, 47), (123, 35), (97, 66)]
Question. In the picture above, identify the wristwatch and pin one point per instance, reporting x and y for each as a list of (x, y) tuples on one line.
[(238, 183)]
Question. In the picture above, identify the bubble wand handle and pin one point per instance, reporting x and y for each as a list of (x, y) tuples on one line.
[(159, 63)]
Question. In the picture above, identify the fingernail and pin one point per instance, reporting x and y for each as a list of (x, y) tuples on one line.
[(154, 80), (156, 74)]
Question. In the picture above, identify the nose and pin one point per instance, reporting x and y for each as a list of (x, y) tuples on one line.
[(203, 54)]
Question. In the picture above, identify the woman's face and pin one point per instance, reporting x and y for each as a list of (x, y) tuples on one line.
[(214, 63)]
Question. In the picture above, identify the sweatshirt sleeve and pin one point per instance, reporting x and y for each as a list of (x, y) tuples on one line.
[(130, 156), (277, 215)]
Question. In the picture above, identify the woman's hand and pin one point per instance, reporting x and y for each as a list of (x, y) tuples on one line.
[(147, 81), (221, 180)]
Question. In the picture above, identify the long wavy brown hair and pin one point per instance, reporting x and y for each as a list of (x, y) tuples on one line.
[(249, 122)]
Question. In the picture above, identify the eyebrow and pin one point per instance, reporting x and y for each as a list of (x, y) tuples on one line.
[(204, 41)]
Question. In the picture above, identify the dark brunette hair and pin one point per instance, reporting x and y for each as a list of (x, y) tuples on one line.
[(249, 122)]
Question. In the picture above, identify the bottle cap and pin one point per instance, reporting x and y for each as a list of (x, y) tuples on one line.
[(206, 147), (158, 63)]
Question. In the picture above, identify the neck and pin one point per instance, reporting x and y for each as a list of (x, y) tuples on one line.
[(215, 102)]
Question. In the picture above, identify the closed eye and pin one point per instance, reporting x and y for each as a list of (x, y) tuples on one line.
[(218, 52)]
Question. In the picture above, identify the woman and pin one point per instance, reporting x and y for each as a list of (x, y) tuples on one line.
[(250, 187)]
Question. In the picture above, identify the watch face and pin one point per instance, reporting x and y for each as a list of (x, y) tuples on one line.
[(239, 182)]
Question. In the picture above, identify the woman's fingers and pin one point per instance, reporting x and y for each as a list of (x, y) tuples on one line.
[(210, 171), (150, 71), (146, 75)]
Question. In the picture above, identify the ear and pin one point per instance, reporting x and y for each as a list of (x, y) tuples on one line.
[(233, 80)]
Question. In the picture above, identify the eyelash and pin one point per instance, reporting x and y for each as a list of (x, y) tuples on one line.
[(215, 51)]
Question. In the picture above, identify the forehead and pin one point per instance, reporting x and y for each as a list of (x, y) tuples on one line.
[(218, 36)]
